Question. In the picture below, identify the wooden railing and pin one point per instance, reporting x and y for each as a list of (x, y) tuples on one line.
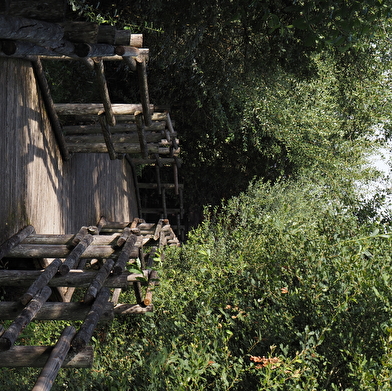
[(95, 261)]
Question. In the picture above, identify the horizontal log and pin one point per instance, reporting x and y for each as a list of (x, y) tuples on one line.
[(22, 48), (97, 108), (156, 128), (112, 36), (37, 356), (130, 148), (67, 239), (36, 31), (164, 161), (126, 51), (143, 55), (131, 138), (14, 240), (9, 310), (60, 251), (75, 278)]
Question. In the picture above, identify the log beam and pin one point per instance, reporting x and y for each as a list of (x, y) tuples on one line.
[(37, 356)]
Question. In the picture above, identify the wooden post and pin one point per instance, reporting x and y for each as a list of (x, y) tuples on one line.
[(41, 281), (107, 137), (86, 330), (49, 105), (36, 31), (125, 254), (11, 334), (98, 281), (14, 240), (143, 88), (153, 278), (55, 361), (37, 356), (163, 190), (171, 130), (104, 92), (75, 254), (142, 138)]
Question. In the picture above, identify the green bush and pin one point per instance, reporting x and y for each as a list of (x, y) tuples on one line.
[(281, 289)]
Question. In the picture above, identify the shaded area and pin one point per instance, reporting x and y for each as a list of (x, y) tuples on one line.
[(36, 187)]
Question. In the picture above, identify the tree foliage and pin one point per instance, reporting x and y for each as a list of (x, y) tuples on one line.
[(261, 88)]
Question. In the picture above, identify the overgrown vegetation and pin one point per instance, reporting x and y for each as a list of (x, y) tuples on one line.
[(281, 289), (285, 284)]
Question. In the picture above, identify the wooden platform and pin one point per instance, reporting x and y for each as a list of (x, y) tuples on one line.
[(36, 187)]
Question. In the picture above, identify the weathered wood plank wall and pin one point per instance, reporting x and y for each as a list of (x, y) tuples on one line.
[(36, 187)]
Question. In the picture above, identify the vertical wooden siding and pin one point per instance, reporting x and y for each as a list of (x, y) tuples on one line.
[(36, 187)]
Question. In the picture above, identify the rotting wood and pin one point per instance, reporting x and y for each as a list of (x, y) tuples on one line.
[(143, 88), (49, 105), (24, 318), (75, 254), (15, 240), (9, 310), (75, 277), (107, 137), (97, 108), (98, 281), (55, 361), (152, 279), (83, 337), (124, 256), (104, 92), (41, 281), (36, 31), (37, 356)]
